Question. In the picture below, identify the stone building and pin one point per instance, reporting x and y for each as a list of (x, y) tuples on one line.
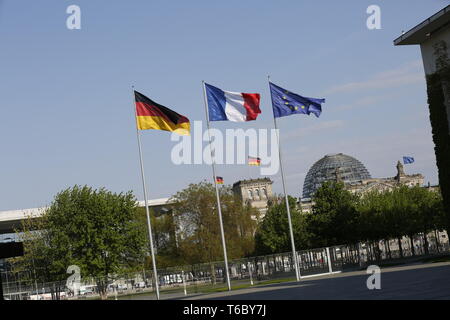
[(354, 175), (348, 169), (385, 184), (256, 192), (357, 179)]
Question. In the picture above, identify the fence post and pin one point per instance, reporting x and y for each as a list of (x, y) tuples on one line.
[(184, 282), (299, 261), (330, 268), (250, 272), (360, 254), (7, 283)]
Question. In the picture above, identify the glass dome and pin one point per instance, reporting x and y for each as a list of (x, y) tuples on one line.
[(333, 166)]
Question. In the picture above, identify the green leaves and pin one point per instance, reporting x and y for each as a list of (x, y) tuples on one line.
[(272, 235), (96, 230), (334, 216), (339, 217), (438, 88), (199, 238)]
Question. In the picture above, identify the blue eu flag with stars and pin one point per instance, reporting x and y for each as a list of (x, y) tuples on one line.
[(408, 160), (286, 103)]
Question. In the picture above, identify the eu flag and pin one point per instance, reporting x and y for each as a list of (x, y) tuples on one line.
[(286, 103), (408, 160)]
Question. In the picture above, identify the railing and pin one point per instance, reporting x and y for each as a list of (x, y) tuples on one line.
[(208, 277)]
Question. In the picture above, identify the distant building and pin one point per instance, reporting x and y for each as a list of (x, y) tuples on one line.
[(350, 170), (354, 175), (256, 192), (383, 184)]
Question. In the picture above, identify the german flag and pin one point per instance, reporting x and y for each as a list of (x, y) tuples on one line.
[(151, 115), (254, 161), (219, 180)]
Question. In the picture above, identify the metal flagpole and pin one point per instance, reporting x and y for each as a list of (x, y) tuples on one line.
[(149, 225), (294, 253), (219, 210)]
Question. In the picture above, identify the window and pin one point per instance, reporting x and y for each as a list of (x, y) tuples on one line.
[(250, 194)]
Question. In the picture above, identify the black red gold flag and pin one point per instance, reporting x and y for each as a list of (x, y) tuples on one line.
[(219, 180), (151, 115), (254, 161)]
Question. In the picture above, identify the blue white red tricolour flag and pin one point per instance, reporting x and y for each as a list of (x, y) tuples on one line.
[(231, 106)]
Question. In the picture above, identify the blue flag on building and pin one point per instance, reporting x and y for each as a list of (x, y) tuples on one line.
[(408, 160), (285, 103)]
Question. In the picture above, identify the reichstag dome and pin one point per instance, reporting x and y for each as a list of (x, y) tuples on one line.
[(332, 167)]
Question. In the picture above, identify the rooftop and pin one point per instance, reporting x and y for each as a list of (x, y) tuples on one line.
[(424, 30), (241, 182)]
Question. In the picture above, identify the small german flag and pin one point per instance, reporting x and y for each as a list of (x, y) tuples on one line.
[(252, 161), (219, 180), (151, 115)]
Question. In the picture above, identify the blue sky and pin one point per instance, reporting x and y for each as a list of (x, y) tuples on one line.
[(66, 109)]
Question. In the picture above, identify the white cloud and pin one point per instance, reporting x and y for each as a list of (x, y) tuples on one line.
[(408, 73), (363, 102), (320, 126)]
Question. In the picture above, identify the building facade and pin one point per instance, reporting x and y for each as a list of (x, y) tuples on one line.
[(346, 168), (256, 192), (433, 36), (354, 175)]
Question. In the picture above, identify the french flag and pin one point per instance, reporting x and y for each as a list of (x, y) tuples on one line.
[(231, 106)]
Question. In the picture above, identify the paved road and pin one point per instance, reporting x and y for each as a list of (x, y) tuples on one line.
[(424, 281)]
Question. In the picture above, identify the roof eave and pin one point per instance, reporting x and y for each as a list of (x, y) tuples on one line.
[(424, 30)]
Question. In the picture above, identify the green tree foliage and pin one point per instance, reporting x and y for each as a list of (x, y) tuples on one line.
[(339, 217), (334, 216), (273, 234), (400, 212), (198, 234), (37, 256), (164, 236), (438, 89), (97, 230)]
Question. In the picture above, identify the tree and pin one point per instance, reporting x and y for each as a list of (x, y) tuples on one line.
[(372, 223), (429, 211), (198, 231), (97, 230), (399, 212), (334, 216), (164, 236), (273, 235), (438, 84), (38, 258)]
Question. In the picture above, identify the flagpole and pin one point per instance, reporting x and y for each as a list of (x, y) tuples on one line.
[(149, 225), (294, 253), (219, 210)]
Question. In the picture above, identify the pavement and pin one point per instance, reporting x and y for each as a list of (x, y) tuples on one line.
[(418, 281), (430, 281)]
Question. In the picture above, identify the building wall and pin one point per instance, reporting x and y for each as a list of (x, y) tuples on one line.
[(257, 192), (429, 57), (427, 48)]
